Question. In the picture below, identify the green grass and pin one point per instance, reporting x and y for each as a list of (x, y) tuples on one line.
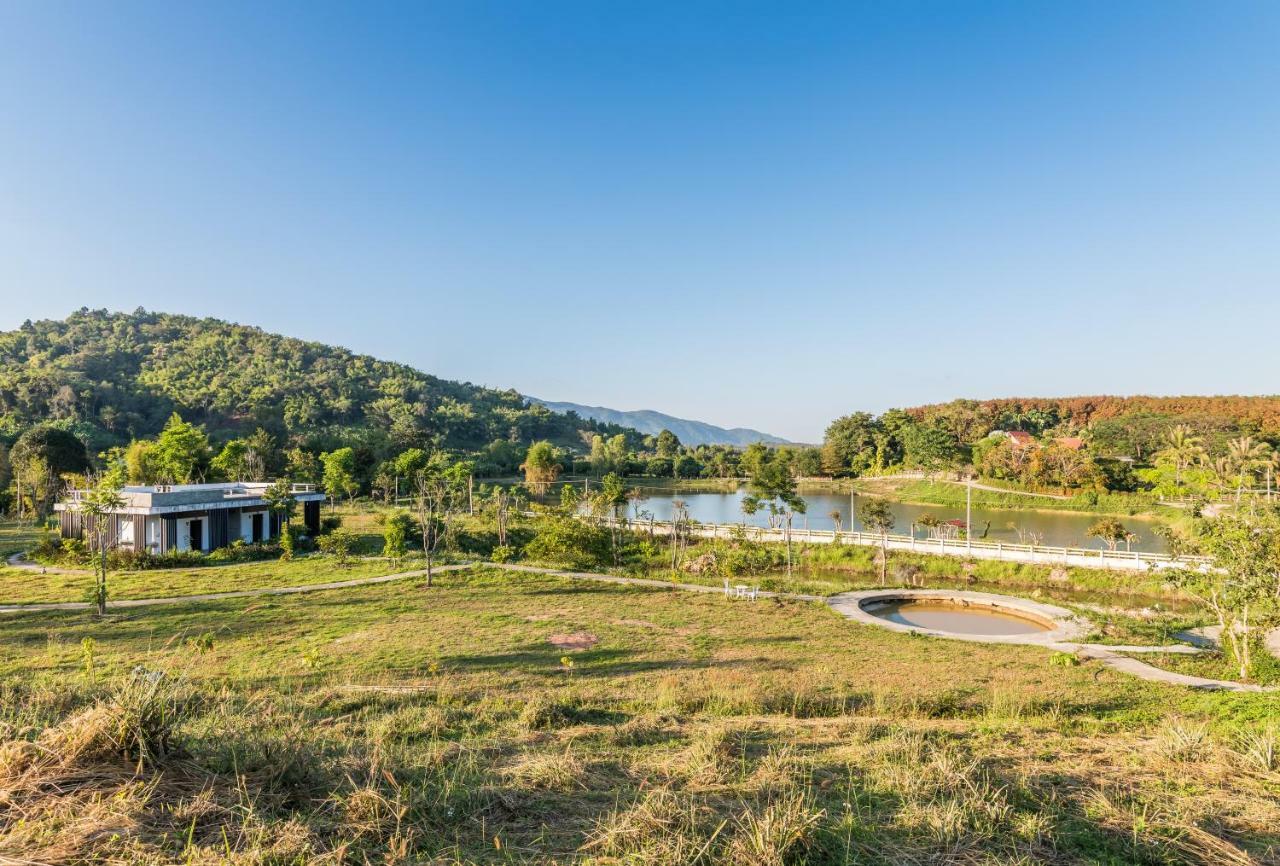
[(396, 723), (24, 586), (924, 492), (16, 537), (1265, 668)]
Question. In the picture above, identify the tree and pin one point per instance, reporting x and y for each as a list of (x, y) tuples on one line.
[(395, 533), (1247, 457), (610, 501), (303, 467), (437, 487), (667, 445), (282, 503), (609, 455), (339, 475), (140, 462), (181, 452), (876, 515), (929, 447), (685, 466), (233, 462), (38, 459), (6, 473), (849, 445), (1182, 449), (773, 485), (1242, 588), (1110, 531), (500, 500), (97, 504), (541, 467)]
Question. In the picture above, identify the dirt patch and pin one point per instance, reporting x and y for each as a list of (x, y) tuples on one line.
[(578, 640)]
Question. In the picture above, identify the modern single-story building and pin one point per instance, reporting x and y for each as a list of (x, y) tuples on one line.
[(176, 517)]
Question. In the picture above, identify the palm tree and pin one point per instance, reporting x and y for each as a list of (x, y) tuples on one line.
[(1182, 448), (1219, 468), (1246, 457)]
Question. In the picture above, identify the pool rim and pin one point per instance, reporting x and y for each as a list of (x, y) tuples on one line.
[(1063, 625)]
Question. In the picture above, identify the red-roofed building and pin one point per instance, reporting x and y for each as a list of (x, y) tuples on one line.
[(1020, 438), (1071, 443)]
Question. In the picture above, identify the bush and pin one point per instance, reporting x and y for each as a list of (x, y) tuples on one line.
[(570, 542), (338, 544)]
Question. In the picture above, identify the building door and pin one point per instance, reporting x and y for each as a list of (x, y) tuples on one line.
[(257, 528), (196, 530)]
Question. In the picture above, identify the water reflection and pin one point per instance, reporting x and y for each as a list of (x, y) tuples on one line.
[(990, 524)]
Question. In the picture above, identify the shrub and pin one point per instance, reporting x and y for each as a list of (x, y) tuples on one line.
[(571, 542), (338, 544)]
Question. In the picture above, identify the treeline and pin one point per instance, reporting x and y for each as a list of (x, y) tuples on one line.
[(664, 456), (116, 381), (1188, 446)]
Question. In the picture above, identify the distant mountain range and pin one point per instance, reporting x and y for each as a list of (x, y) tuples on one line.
[(651, 423)]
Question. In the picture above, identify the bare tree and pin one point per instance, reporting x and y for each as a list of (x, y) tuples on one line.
[(97, 504)]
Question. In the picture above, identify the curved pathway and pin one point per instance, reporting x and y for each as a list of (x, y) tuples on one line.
[(843, 603), (19, 560)]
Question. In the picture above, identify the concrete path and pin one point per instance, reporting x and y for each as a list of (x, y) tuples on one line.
[(1210, 636), (644, 581), (19, 560)]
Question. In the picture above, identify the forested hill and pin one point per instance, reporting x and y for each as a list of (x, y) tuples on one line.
[(113, 377), (1250, 415)]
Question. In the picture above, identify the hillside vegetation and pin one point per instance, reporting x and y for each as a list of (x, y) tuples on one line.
[(113, 377)]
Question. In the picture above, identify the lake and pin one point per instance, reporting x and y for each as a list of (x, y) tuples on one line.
[(1056, 529)]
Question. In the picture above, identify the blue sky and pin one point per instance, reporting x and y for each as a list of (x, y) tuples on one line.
[(752, 214)]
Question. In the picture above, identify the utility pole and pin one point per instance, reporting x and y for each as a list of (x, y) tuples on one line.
[(968, 510)]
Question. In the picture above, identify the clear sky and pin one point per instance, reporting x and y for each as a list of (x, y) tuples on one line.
[(751, 214)]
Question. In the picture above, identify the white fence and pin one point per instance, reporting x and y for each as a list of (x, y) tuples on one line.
[(1130, 560)]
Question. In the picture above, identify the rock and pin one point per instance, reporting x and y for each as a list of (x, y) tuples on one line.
[(705, 564), (1059, 575)]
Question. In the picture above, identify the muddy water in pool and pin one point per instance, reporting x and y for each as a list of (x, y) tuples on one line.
[(1058, 529), (940, 616)]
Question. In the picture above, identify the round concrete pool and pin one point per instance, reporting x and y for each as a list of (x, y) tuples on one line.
[(963, 615), (943, 615)]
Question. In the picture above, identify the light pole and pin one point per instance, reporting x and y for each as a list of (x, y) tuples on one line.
[(968, 510)]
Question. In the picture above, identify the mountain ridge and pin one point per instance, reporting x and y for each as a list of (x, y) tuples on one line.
[(652, 422)]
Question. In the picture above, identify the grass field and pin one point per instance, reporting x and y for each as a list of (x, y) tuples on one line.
[(25, 586), (393, 723)]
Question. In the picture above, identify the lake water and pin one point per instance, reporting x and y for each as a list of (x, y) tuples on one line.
[(1055, 529)]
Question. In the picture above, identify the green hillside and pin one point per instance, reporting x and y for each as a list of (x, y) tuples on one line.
[(112, 377)]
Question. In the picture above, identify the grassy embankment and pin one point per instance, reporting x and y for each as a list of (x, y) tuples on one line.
[(391, 723), (923, 492)]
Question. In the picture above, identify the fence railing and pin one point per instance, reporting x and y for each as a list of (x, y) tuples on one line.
[(1032, 553)]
